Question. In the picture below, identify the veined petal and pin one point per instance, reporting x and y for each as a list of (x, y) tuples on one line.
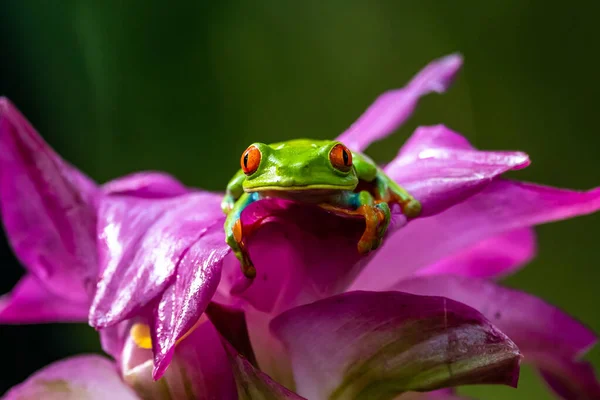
[(30, 302), (534, 325), (392, 108), (568, 378), (87, 377), (47, 209), (440, 168), (148, 184), (142, 241), (361, 345), (490, 258), (503, 206), (442, 394)]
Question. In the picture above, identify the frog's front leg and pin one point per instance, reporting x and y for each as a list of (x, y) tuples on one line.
[(390, 192), (234, 234), (376, 213)]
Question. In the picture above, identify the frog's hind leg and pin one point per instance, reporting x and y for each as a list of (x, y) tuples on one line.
[(376, 215), (234, 235)]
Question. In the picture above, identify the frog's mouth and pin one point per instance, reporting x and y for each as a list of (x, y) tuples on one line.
[(308, 193), (300, 188)]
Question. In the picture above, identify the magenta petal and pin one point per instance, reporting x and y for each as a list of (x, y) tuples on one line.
[(503, 206), (394, 107), (493, 257), (252, 383), (440, 168), (182, 304), (142, 241), (200, 368), (31, 302), (534, 325), (567, 378), (87, 377), (296, 260), (146, 184), (47, 209), (380, 344)]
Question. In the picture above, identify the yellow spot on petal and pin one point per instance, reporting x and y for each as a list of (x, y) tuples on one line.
[(140, 333)]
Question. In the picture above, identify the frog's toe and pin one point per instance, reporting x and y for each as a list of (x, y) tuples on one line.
[(377, 244), (248, 269), (383, 217), (412, 208)]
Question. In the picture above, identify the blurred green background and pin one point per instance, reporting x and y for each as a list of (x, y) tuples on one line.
[(120, 86)]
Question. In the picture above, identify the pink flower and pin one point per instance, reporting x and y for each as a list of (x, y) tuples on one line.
[(424, 312)]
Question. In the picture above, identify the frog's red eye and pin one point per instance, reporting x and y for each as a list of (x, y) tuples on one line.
[(341, 157), (250, 160)]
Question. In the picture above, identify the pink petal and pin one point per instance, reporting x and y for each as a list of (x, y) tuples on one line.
[(503, 206), (146, 184), (301, 253), (200, 368), (440, 168), (87, 377), (365, 344), (30, 302), (567, 378), (182, 304), (47, 209), (392, 108), (534, 325), (493, 257), (142, 241)]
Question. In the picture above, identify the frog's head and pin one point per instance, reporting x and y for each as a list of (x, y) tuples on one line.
[(298, 165)]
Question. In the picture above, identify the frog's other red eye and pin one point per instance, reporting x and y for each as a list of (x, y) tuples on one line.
[(250, 160), (341, 157)]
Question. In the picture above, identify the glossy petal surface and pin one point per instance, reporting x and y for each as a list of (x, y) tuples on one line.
[(392, 108), (87, 377), (142, 241), (361, 345), (534, 325), (503, 206), (30, 302), (440, 168), (47, 209), (182, 304)]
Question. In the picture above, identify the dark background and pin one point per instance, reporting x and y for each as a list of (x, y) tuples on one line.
[(122, 86)]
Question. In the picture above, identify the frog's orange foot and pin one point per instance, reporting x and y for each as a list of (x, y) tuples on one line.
[(239, 248), (377, 219)]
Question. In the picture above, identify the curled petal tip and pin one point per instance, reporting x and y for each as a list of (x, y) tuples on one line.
[(438, 75)]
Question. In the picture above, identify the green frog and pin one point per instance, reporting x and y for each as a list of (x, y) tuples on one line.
[(321, 172)]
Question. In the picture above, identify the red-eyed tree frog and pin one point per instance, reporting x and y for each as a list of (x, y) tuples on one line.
[(321, 172)]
